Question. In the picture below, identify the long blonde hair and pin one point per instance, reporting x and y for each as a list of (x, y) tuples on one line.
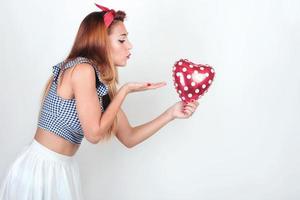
[(92, 42)]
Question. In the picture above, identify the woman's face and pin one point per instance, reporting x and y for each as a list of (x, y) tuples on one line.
[(120, 45)]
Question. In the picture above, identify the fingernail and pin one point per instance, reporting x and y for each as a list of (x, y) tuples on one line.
[(148, 84)]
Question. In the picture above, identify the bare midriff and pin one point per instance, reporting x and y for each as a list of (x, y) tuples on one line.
[(55, 142)]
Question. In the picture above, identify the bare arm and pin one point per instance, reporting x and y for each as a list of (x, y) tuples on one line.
[(144, 131), (94, 123), (112, 110), (131, 136)]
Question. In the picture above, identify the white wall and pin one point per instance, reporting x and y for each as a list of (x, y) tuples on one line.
[(243, 141)]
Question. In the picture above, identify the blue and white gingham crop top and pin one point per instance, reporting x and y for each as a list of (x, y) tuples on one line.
[(59, 115)]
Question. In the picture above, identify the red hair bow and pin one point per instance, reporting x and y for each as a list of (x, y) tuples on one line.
[(108, 16)]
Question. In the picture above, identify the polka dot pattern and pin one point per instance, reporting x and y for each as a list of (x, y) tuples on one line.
[(192, 80)]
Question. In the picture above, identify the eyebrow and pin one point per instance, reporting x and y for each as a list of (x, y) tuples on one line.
[(124, 34)]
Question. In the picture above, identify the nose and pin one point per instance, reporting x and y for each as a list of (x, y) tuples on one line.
[(129, 46)]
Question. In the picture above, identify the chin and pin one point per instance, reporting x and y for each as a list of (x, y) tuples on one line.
[(121, 64)]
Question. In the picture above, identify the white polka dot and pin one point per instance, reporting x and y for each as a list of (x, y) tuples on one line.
[(179, 91), (180, 63), (206, 74), (197, 91), (185, 88), (190, 95), (202, 68), (178, 74), (184, 69), (203, 86), (182, 98), (188, 76), (191, 66), (212, 70), (209, 82), (176, 84), (193, 83)]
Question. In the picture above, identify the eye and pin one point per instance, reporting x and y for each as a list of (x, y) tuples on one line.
[(121, 41)]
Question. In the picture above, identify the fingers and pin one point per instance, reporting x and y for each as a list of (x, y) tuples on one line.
[(192, 105), (190, 108), (155, 85), (141, 86), (187, 112)]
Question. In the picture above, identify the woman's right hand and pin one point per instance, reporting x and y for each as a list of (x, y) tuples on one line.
[(142, 86)]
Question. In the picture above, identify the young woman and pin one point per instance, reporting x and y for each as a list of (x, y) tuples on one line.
[(81, 100)]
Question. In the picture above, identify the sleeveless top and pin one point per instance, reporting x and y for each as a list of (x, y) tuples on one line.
[(59, 115)]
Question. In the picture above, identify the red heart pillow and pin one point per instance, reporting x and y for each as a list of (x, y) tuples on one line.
[(192, 80)]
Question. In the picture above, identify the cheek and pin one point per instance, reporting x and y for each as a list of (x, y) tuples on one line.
[(118, 53), (116, 50)]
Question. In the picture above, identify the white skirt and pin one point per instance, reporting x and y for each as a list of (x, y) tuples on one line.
[(39, 173)]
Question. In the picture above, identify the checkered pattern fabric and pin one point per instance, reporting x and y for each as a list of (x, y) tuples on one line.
[(59, 115)]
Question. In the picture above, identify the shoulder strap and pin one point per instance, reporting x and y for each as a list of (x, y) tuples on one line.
[(68, 64)]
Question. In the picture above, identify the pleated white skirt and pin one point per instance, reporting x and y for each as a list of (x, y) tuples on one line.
[(39, 173)]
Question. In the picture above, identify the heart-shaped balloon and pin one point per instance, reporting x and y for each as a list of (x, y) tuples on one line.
[(192, 80)]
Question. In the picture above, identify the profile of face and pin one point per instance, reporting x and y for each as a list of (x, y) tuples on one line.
[(119, 43)]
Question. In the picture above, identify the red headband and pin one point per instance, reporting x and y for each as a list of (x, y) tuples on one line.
[(108, 16)]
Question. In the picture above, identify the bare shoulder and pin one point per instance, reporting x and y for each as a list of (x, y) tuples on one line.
[(83, 74), (83, 70)]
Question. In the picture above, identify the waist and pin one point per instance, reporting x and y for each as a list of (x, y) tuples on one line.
[(67, 126), (48, 154), (55, 142)]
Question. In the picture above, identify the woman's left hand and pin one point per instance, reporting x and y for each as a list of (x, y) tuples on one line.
[(182, 110)]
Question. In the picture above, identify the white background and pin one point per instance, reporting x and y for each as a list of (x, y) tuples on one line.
[(243, 141)]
